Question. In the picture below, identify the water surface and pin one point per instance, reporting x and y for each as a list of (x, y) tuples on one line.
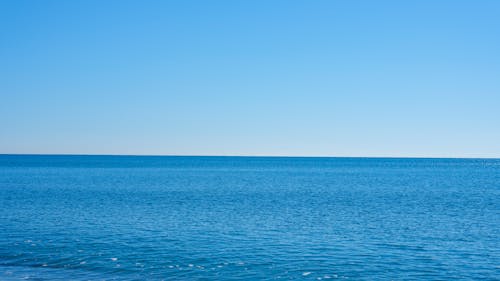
[(248, 218)]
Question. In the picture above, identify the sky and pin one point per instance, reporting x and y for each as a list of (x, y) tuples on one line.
[(240, 77)]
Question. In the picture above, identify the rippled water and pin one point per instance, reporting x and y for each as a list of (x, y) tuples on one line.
[(248, 218)]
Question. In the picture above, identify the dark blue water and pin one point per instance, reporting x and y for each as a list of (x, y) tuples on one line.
[(239, 218)]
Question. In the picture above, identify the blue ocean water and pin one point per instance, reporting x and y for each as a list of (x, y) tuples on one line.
[(248, 218)]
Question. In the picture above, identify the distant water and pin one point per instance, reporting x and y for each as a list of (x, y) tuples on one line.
[(244, 218)]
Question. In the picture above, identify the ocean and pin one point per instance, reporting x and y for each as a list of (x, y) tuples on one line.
[(248, 218)]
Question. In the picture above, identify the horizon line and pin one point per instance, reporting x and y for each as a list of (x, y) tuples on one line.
[(243, 156)]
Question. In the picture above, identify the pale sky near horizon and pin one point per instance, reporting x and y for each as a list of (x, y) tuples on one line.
[(304, 78)]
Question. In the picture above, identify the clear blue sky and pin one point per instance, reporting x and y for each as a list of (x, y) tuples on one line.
[(328, 78)]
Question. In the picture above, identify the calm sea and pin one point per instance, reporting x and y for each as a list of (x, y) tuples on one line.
[(248, 218)]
